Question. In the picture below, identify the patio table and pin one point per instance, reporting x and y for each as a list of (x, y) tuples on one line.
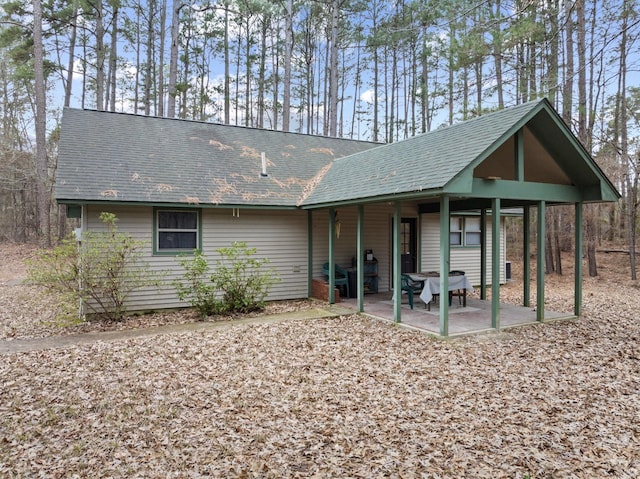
[(432, 285)]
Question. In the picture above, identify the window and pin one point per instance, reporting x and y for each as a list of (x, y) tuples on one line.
[(177, 230), (465, 231), (472, 231), (455, 231)]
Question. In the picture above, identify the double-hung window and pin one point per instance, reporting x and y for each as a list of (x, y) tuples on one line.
[(176, 230), (465, 231), (472, 232)]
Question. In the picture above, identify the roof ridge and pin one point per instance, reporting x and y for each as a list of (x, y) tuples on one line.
[(212, 123)]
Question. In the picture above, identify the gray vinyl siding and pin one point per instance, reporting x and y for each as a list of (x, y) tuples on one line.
[(280, 236), (466, 259)]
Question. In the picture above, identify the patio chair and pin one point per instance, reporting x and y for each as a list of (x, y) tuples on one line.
[(411, 287), (341, 277), (460, 293)]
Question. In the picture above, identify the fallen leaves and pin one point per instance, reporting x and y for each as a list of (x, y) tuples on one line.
[(344, 397)]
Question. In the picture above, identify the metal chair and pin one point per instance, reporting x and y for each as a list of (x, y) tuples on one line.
[(341, 277)]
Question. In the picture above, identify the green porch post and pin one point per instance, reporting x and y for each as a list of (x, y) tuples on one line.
[(577, 307), (526, 253), (397, 284), (483, 253), (309, 252), (495, 263), (332, 265), (360, 261), (445, 250), (540, 262)]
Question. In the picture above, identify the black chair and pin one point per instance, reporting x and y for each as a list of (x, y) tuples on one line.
[(411, 287), (460, 293)]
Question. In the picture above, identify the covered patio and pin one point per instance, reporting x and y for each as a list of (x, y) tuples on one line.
[(523, 157)]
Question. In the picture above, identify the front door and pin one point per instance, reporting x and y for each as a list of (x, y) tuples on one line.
[(408, 245)]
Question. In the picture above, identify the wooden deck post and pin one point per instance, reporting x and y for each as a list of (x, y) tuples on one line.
[(445, 249), (495, 263), (360, 260), (397, 284), (526, 254), (540, 262), (332, 264), (577, 297)]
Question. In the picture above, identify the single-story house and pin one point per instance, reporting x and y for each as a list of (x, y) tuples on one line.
[(431, 202)]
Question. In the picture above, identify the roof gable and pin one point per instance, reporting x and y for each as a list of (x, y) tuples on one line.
[(448, 159)]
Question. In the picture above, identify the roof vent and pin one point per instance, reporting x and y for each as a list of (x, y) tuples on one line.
[(263, 173)]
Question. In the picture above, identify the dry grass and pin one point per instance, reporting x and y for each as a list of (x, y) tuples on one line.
[(345, 397)]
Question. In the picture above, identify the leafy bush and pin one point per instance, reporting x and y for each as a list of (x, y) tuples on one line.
[(196, 286), (100, 272), (239, 283)]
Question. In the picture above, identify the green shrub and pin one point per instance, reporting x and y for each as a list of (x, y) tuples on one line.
[(242, 278), (196, 286), (239, 283), (100, 272)]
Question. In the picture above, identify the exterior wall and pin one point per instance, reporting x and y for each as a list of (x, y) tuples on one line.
[(378, 219), (278, 235), (462, 258), (281, 236)]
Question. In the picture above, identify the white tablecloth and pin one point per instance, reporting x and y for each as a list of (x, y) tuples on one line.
[(432, 285)]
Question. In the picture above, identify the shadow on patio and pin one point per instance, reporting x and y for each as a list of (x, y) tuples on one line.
[(473, 319)]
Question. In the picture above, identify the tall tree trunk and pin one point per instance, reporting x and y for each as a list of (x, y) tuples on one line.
[(288, 47), (113, 56), (173, 59), (72, 48), (333, 70), (567, 88), (41, 129), (151, 12), (163, 35), (100, 55), (582, 71)]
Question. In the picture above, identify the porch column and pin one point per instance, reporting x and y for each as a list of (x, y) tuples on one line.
[(540, 262), (526, 254), (495, 263), (483, 253), (309, 252), (577, 306), (332, 264), (360, 260), (445, 249), (397, 284)]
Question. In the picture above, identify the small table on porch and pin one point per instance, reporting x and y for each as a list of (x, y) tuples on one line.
[(432, 285)]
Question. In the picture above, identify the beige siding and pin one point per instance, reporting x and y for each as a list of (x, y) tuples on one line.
[(280, 236), (377, 237), (462, 258)]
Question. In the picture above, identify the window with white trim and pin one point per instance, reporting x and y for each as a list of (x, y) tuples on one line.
[(472, 233), (455, 231), (465, 231), (177, 230)]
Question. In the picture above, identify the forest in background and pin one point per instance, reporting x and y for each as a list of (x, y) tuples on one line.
[(365, 69)]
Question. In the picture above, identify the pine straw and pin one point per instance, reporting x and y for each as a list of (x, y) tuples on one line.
[(344, 397)]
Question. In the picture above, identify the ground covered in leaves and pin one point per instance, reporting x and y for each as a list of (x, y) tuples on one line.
[(344, 397)]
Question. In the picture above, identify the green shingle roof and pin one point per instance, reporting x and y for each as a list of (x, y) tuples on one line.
[(106, 156), (117, 157), (425, 162)]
